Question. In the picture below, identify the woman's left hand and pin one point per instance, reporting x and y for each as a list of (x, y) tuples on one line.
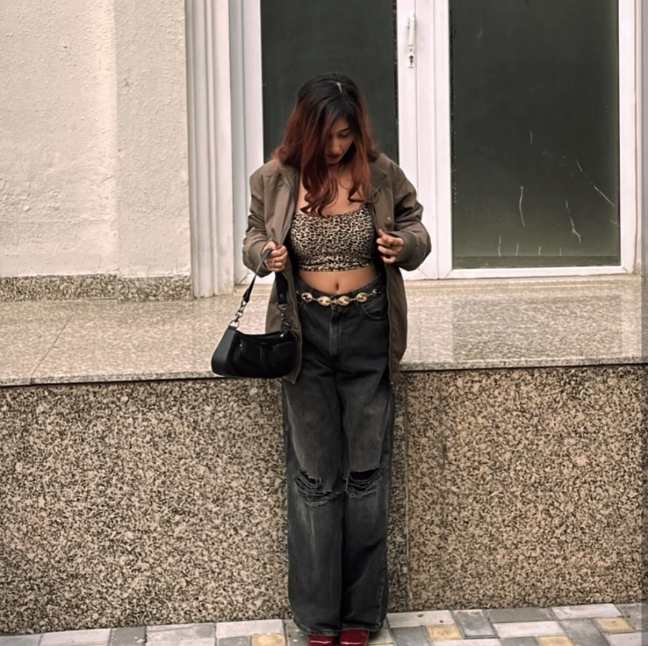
[(389, 246)]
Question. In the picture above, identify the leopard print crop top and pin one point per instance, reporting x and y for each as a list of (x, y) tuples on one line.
[(332, 242)]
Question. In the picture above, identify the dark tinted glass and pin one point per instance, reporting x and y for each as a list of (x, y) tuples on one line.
[(535, 122), (302, 39)]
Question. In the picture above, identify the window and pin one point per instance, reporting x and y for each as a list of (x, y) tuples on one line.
[(514, 119), (534, 133)]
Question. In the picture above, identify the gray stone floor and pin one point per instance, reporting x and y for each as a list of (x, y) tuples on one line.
[(603, 624)]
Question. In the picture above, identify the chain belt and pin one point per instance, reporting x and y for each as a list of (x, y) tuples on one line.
[(325, 300)]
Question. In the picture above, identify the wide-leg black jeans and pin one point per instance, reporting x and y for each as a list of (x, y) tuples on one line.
[(338, 421)]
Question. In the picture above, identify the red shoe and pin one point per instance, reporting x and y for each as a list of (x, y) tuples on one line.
[(322, 640), (354, 637)]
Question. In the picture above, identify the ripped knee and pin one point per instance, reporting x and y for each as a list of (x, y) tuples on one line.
[(313, 490), (362, 483)]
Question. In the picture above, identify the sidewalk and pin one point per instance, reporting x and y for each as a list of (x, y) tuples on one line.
[(603, 624)]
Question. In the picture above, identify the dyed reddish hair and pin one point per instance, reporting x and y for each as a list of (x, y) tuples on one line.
[(319, 105)]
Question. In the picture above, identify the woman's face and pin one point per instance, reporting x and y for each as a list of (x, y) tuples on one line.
[(340, 139)]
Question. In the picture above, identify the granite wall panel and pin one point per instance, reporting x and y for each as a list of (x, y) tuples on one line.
[(153, 502), (524, 486)]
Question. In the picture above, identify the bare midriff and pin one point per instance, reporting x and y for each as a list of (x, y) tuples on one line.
[(336, 282)]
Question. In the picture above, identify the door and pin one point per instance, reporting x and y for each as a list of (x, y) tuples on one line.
[(514, 119), (285, 42)]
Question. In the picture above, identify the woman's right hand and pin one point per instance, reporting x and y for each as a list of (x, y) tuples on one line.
[(276, 261)]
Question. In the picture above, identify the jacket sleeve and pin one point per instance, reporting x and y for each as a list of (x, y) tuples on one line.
[(255, 233), (407, 222)]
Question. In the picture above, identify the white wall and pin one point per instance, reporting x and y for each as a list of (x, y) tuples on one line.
[(93, 143)]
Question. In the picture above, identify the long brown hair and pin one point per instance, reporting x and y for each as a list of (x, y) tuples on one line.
[(321, 101)]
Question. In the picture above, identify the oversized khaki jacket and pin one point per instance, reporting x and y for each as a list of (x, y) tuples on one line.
[(274, 189)]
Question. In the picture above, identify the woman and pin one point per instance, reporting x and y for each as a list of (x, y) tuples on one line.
[(341, 219)]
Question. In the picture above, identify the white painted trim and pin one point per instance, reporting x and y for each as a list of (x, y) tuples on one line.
[(239, 167), (433, 135), (412, 94), (638, 116), (407, 92), (627, 134), (410, 129), (510, 272), (252, 112), (443, 158), (210, 146), (641, 263)]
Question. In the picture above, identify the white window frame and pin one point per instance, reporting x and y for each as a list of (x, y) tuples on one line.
[(433, 48), (419, 134)]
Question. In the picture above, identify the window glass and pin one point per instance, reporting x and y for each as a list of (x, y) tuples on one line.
[(535, 133), (302, 39)]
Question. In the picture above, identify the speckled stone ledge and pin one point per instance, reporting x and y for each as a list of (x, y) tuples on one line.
[(465, 325), (108, 286), (139, 503)]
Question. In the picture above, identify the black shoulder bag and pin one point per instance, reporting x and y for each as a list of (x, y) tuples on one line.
[(257, 355)]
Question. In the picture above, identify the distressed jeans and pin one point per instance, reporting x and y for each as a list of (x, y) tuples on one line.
[(338, 421)]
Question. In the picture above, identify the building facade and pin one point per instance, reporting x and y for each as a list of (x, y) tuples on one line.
[(130, 131)]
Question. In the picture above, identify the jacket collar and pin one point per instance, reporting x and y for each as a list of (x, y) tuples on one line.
[(378, 175)]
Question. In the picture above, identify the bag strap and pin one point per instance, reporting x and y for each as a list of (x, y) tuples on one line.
[(282, 291)]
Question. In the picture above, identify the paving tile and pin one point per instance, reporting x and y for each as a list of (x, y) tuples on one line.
[(629, 639), (528, 629), (295, 636), (614, 625), (519, 641), (531, 613), (410, 636), (583, 632), (634, 612), (203, 634), (291, 628), (92, 637), (473, 623), (240, 641), (128, 636), (555, 640), (20, 640), (301, 640), (439, 632), (186, 641), (269, 639), (467, 642), (174, 639), (243, 628), (383, 636), (423, 618), (586, 611)]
